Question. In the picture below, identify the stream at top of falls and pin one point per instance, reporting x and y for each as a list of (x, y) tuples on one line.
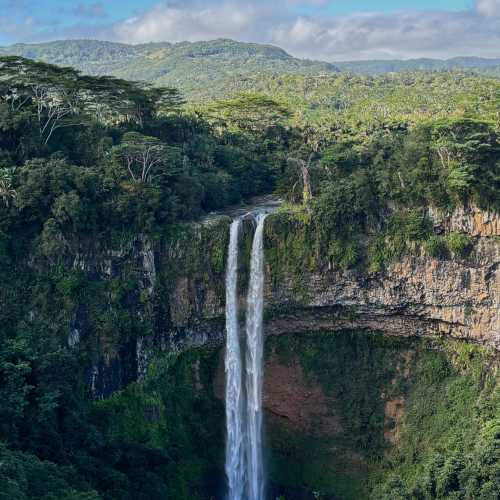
[(244, 377)]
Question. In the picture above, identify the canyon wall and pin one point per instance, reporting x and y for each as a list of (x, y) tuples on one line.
[(172, 290), (417, 295)]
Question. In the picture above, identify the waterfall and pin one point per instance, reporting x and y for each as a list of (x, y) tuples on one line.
[(235, 467), (244, 461), (254, 366)]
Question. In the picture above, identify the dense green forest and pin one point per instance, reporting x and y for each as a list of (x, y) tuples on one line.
[(92, 162), (191, 67), (211, 69)]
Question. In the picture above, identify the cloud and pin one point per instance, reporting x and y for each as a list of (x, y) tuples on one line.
[(395, 35), (488, 7), (173, 22)]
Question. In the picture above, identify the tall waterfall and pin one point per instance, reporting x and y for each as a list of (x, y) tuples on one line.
[(244, 461), (235, 466), (254, 366)]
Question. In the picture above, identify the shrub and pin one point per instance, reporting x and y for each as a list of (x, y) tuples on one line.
[(459, 244), (436, 247)]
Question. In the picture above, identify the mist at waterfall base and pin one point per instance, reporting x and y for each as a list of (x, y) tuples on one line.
[(244, 460)]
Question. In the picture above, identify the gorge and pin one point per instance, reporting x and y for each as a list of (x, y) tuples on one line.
[(353, 360), (350, 356)]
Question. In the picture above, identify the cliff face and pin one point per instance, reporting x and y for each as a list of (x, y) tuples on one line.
[(418, 295), (469, 219), (168, 296)]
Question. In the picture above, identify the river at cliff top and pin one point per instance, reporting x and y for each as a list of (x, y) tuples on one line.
[(256, 204)]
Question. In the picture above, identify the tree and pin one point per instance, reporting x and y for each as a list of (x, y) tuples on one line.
[(306, 177), (53, 91), (142, 155), (7, 193), (251, 112)]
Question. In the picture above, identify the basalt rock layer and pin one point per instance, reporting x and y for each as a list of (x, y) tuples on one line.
[(416, 295), (172, 292)]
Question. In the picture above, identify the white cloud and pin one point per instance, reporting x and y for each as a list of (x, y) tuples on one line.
[(488, 7), (393, 35), (173, 22)]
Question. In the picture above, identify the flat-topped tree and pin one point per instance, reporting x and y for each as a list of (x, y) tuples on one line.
[(144, 157), (62, 97), (250, 112)]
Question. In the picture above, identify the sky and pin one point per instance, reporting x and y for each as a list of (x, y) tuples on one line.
[(330, 30)]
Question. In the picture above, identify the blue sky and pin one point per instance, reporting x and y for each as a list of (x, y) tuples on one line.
[(320, 29)]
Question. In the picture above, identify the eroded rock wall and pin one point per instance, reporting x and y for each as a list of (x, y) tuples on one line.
[(417, 295)]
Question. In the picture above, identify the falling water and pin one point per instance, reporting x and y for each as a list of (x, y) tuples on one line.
[(254, 368), (244, 467), (235, 469)]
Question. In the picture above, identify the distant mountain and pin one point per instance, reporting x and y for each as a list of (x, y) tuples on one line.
[(204, 70), (377, 67), (188, 66)]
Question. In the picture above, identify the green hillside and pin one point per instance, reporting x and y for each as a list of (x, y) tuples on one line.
[(206, 70), (188, 66)]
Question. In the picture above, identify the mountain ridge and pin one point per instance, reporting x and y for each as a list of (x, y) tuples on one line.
[(206, 68), (378, 66), (187, 65)]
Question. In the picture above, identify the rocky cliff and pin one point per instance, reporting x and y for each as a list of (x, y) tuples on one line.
[(168, 294), (417, 295)]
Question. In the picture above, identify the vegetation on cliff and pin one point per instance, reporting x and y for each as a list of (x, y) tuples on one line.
[(416, 419)]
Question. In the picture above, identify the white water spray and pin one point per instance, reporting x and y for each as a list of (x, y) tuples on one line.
[(254, 367), (235, 466)]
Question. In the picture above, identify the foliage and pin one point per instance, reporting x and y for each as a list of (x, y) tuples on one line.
[(436, 247), (459, 244), (447, 443), (450, 440), (167, 412)]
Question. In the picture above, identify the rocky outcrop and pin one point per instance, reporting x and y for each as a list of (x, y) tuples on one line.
[(418, 295), (468, 219)]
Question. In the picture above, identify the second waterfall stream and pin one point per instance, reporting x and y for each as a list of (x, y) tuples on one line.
[(244, 457)]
